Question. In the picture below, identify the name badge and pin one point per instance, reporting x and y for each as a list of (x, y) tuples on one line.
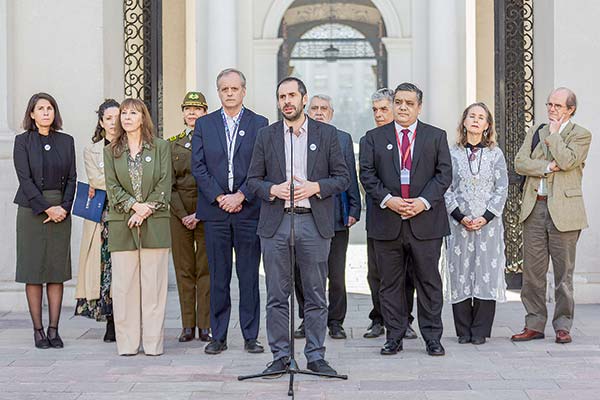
[(405, 176)]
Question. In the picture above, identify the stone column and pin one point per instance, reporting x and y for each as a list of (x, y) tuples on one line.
[(5, 132), (265, 81), (221, 42), (446, 63), (399, 63)]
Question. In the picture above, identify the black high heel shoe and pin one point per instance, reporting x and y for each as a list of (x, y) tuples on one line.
[(110, 335), (40, 339), (55, 340)]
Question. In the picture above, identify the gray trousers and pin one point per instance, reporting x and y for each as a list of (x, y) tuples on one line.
[(542, 241), (312, 251)]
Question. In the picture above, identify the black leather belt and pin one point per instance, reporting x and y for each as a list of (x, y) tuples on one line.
[(298, 210)]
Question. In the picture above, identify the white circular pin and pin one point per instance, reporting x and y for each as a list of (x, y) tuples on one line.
[(101, 165), (148, 158), (313, 147), (187, 145), (389, 146), (242, 133), (47, 147)]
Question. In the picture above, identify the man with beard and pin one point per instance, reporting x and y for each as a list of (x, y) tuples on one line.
[(319, 174), (347, 212)]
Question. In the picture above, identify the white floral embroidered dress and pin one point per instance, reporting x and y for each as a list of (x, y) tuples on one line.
[(475, 261)]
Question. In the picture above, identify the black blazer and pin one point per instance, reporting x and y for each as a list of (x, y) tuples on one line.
[(27, 156), (325, 165), (431, 175)]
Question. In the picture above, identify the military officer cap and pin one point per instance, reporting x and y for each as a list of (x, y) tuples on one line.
[(195, 99)]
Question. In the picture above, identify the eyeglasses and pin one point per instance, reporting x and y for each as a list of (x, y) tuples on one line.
[(557, 107)]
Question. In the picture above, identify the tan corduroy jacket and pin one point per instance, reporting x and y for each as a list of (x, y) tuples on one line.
[(88, 280), (569, 149)]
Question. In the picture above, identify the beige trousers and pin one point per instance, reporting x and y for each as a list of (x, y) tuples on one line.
[(139, 293), (542, 242)]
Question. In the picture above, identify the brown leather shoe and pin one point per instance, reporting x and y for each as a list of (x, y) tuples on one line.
[(187, 334), (204, 334), (526, 335), (563, 336)]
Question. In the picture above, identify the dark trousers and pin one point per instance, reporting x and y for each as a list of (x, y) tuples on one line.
[(392, 258), (222, 237), (337, 280), (474, 317), (374, 281)]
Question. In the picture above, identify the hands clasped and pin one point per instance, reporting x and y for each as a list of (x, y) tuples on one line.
[(407, 208), (303, 189), (142, 211), (473, 224), (55, 214), (231, 203)]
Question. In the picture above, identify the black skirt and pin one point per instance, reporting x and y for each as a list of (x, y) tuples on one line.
[(43, 250)]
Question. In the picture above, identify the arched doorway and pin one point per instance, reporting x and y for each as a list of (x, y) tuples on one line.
[(337, 49)]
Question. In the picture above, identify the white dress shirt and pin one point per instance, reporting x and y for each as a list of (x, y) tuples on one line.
[(411, 138), (300, 142)]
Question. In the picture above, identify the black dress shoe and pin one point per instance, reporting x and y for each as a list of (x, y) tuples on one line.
[(478, 340), (410, 333), (336, 331), (300, 333), (464, 339), (110, 335), (40, 339), (277, 367), (253, 346), (215, 347), (187, 334), (322, 367), (374, 331), (54, 338), (391, 347), (435, 348), (204, 334)]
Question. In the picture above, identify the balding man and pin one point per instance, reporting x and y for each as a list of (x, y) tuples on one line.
[(551, 159), (347, 213)]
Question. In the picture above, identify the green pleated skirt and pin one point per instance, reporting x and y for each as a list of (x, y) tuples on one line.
[(43, 250)]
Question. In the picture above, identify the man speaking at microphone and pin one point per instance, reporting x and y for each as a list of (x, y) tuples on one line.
[(319, 174)]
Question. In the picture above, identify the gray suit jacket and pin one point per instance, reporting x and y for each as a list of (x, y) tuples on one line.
[(325, 165)]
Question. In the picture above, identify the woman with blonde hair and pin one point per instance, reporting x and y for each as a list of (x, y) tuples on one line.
[(474, 268), (94, 280), (138, 185)]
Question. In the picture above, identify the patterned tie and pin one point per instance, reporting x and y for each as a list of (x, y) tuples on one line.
[(405, 163)]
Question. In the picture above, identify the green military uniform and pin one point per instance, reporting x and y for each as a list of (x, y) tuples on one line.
[(189, 250)]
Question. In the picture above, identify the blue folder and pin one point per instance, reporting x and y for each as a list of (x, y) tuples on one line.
[(87, 208)]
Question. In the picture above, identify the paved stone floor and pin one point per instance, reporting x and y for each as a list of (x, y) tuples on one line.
[(87, 368)]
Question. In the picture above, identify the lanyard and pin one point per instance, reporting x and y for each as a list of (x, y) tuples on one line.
[(231, 135), (404, 156)]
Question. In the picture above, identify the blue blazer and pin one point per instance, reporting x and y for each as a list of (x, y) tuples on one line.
[(209, 164), (347, 204)]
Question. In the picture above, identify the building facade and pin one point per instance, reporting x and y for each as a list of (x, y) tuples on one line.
[(77, 52)]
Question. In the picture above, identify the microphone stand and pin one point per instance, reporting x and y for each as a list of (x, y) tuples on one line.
[(292, 366)]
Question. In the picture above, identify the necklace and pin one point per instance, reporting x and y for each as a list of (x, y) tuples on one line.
[(472, 157)]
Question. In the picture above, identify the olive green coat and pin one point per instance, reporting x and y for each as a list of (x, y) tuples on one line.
[(156, 187)]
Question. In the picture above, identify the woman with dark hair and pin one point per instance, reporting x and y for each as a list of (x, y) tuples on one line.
[(45, 165), (474, 269), (94, 279), (137, 167)]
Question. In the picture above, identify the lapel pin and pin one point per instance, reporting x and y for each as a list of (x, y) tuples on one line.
[(47, 147), (148, 158), (187, 145), (242, 133), (313, 147), (101, 165), (389, 146)]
